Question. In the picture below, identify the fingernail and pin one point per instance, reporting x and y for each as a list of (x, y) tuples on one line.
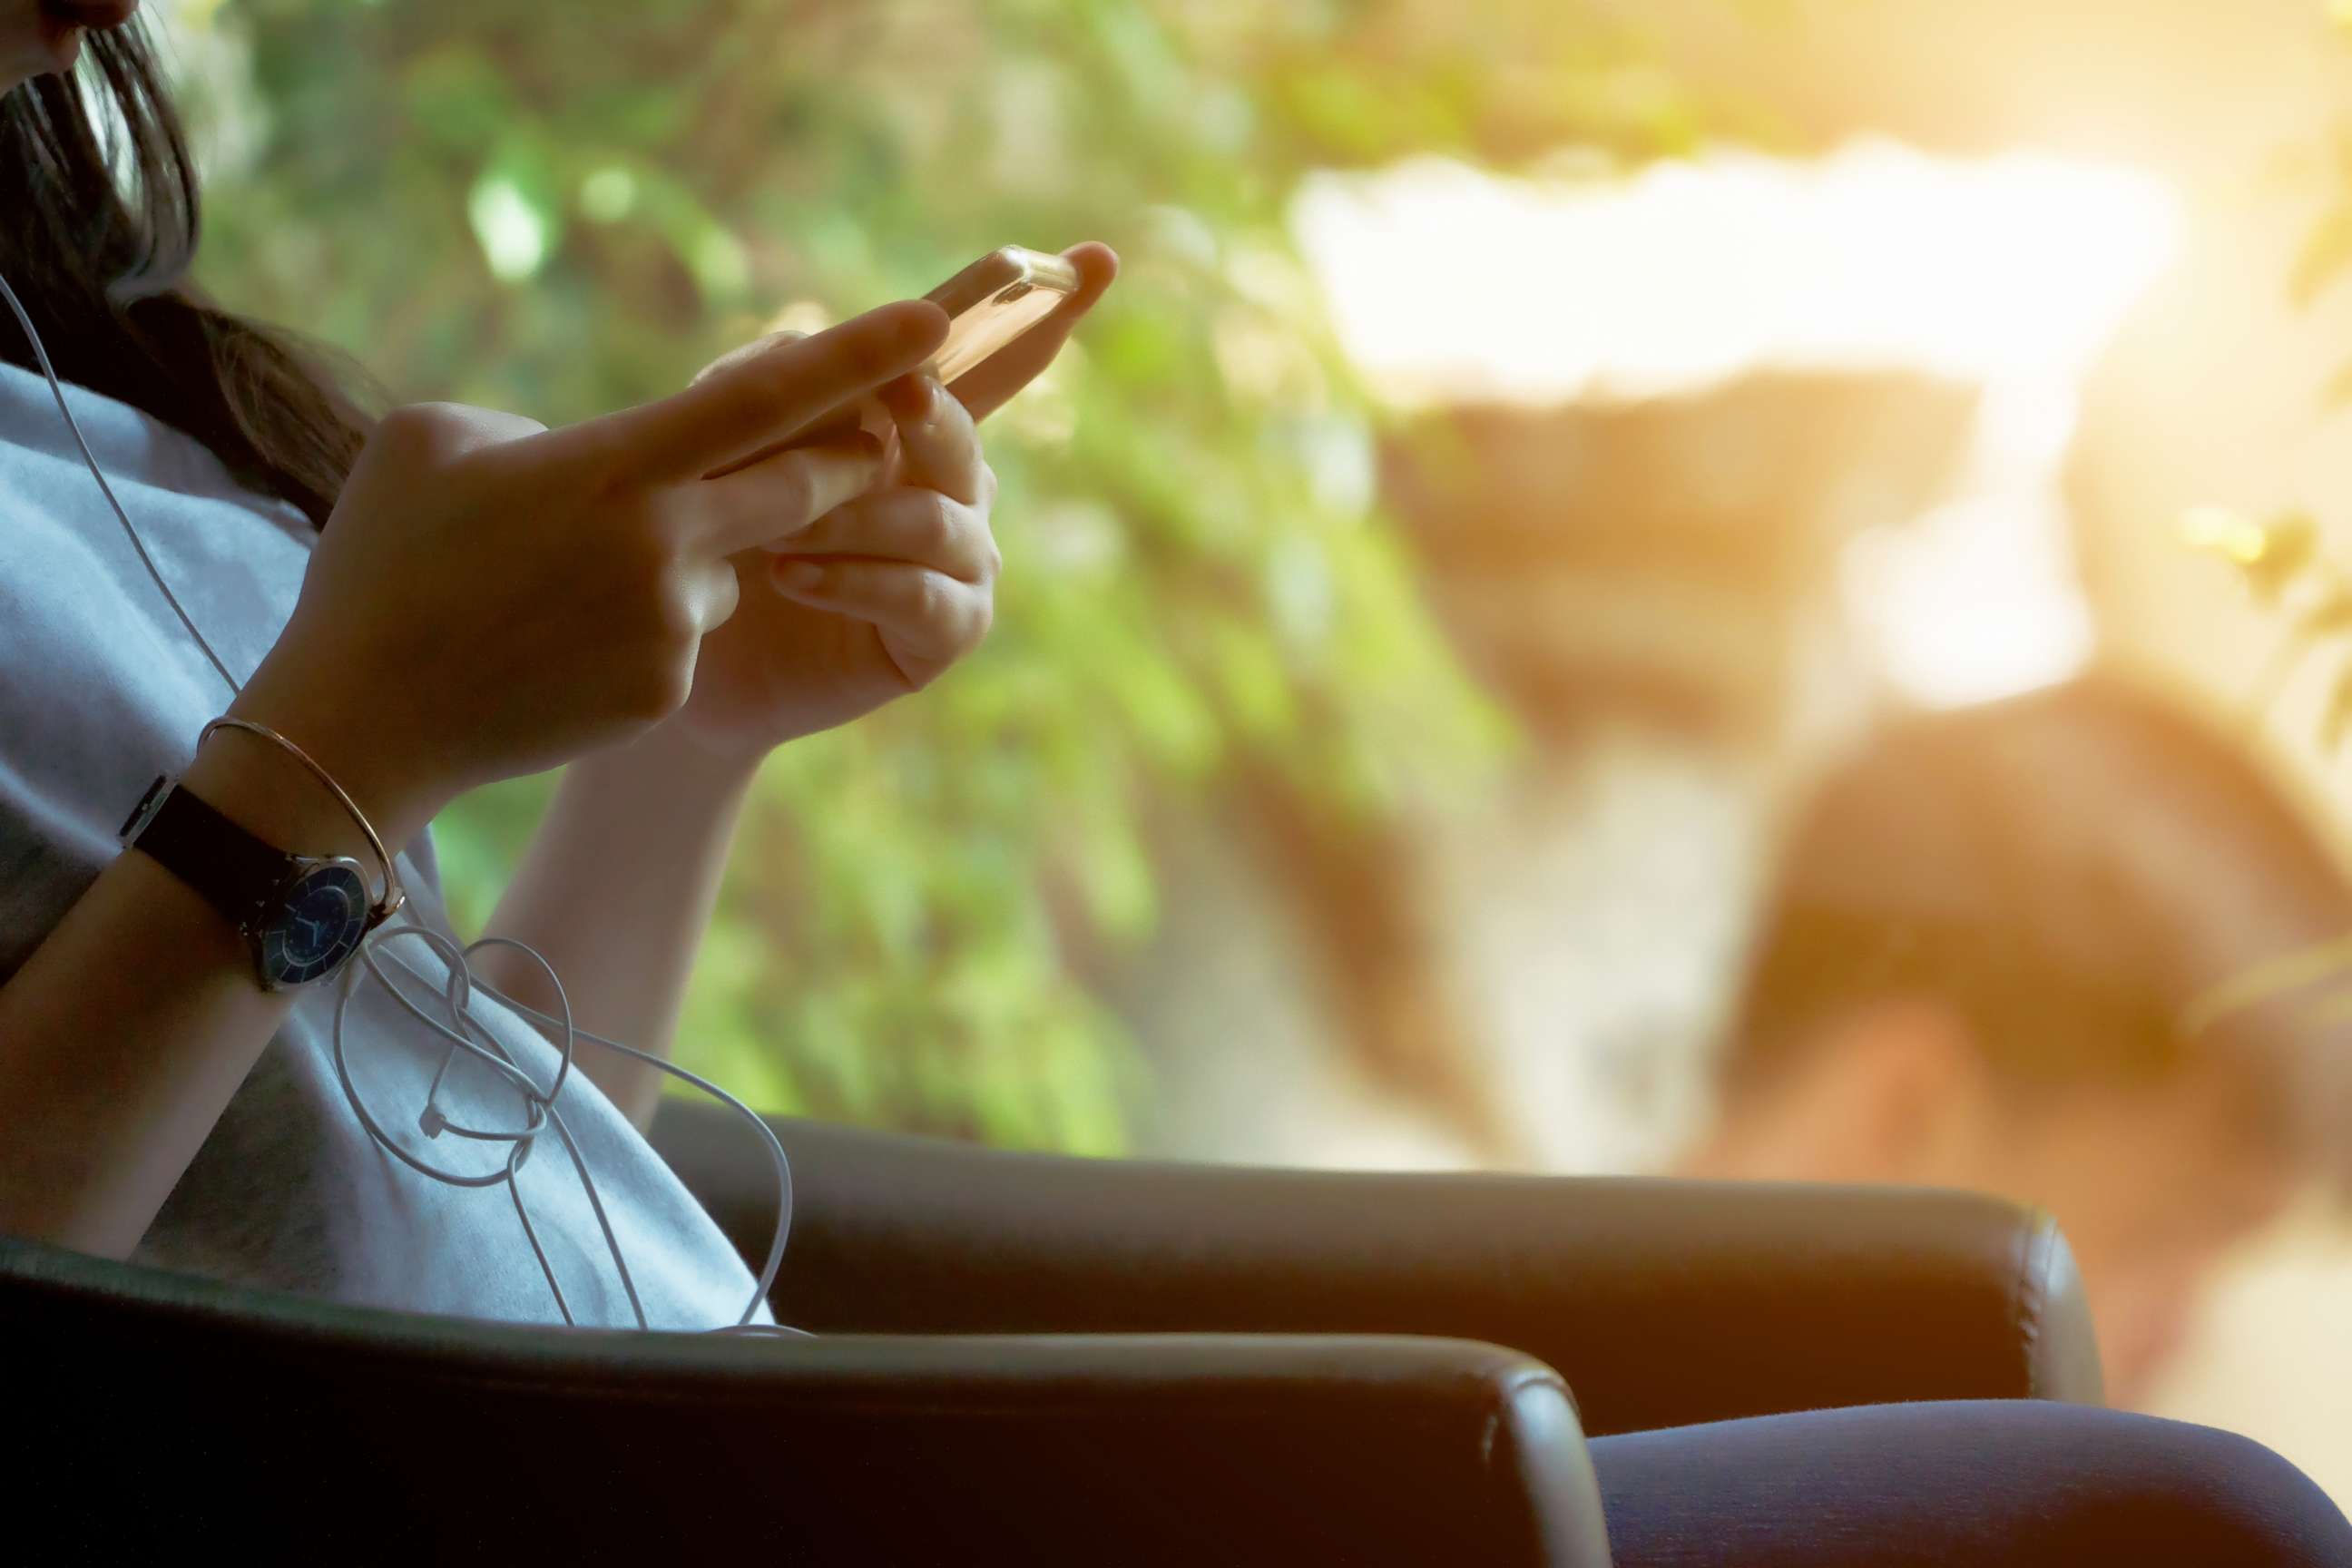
[(798, 575)]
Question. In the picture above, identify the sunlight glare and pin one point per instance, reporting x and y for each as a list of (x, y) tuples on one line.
[(1446, 284)]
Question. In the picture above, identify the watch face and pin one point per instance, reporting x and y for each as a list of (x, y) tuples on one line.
[(318, 926)]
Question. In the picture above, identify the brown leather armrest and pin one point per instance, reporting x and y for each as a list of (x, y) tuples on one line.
[(1661, 1303)]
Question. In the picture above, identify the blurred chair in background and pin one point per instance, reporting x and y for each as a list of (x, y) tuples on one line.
[(1972, 969)]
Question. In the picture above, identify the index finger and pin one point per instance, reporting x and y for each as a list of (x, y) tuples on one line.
[(750, 405), (742, 352)]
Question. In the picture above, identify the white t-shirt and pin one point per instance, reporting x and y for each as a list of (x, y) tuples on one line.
[(100, 689)]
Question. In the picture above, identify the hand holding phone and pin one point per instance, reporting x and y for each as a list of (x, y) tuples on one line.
[(887, 589)]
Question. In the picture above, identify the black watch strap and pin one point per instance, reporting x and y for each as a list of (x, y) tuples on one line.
[(238, 873)]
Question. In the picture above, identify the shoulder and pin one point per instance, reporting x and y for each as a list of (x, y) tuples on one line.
[(87, 583), (77, 651), (90, 710)]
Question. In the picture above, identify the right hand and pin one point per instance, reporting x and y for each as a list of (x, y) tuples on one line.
[(492, 598)]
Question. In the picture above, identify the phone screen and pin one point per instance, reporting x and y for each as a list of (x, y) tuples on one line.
[(994, 301), (989, 325)]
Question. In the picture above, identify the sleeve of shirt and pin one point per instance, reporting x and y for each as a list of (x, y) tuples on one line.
[(101, 688), (90, 711)]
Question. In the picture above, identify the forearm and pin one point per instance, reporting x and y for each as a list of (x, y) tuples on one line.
[(131, 1026), (616, 891)]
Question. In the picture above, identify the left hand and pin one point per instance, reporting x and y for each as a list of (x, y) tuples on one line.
[(874, 599), (880, 597)]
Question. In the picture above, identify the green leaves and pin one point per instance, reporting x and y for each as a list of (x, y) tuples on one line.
[(2335, 718), (2290, 545), (2337, 393), (2283, 565), (2326, 257), (516, 209), (2269, 555), (457, 100), (2326, 253)]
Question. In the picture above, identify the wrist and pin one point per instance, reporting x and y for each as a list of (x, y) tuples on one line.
[(668, 765), (273, 797), (343, 736)]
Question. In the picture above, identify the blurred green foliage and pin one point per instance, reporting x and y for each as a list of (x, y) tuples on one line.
[(560, 209)]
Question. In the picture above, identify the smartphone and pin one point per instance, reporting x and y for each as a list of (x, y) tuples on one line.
[(994, 301), (989, 304)]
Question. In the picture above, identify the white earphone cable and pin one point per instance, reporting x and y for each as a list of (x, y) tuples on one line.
[(540, 1109), (57, 390)]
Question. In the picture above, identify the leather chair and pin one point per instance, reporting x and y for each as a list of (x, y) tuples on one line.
[(1032, 1359)]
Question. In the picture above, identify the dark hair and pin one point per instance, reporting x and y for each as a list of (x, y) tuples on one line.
[(2068, 871), (101, 266)]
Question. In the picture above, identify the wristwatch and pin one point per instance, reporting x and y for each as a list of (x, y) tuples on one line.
[(303, 916)]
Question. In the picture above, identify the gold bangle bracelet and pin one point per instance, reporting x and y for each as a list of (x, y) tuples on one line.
[(389, 901)]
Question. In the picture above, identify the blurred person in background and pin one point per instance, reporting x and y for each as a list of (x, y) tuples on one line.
[(1973, 970)]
